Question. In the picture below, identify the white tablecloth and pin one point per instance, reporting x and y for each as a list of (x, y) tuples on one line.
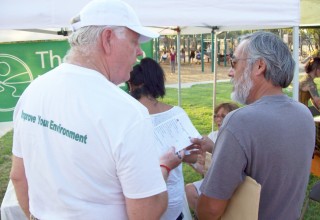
[(10, 209)]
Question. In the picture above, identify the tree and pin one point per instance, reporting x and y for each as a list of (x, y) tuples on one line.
[(315, 32)]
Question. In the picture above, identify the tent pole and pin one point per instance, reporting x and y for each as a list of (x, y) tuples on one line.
[(157, 49), (225, 49), (188, 43), (202, 53), (212, 51), (214, 89), (295, 83), (178, 62)]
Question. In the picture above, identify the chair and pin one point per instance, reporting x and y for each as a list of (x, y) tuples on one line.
[(313, 195)]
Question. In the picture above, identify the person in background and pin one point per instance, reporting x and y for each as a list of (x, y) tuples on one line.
[(78, 153), (183, 55), (147, 84), (173, 55), (208, 52), (192, 55), (308, 88), (164, 56), (198, 57), (270, 140), (313, 54), (308, 91), (316, 52), (193, 189)]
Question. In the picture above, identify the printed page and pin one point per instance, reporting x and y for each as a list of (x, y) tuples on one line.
[(176, 132)]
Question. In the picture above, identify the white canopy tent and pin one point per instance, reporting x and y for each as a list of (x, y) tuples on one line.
[(192, 17), (227, 14)]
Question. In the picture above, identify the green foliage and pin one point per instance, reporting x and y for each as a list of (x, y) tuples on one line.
[(313, 34)]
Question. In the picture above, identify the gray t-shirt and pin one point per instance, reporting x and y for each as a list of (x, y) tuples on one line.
[(272, 141)]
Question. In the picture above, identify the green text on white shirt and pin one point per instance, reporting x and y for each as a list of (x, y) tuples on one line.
[(54, 127)]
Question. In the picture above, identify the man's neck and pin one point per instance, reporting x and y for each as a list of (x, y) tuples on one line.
[(90, 63), (266, 89)]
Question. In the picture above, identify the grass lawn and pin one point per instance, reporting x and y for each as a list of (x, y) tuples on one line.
[(197, 102)]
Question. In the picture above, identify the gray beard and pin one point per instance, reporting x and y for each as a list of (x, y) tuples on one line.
[(242, 87)]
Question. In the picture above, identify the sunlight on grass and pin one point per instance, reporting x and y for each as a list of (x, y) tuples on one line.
[(5, 162)]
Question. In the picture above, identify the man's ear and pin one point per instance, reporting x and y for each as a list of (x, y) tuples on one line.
[(106, 40), (260, 67)]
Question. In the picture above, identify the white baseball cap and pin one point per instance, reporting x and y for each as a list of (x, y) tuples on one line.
[(112, 13)]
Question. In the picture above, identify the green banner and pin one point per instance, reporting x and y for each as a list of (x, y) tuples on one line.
[(21, 63)]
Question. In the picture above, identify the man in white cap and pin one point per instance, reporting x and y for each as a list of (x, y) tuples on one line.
[(83, 148)]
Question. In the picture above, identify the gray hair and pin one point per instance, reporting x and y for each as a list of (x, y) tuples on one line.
[(83, 40), (275, 53)]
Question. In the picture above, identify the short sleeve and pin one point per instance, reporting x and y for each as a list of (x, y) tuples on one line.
[(16, 145), (227, 168), (137, 162)]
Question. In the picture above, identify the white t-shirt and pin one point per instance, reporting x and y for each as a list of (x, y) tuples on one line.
[(175, 182), (85, 144), (213, 136)]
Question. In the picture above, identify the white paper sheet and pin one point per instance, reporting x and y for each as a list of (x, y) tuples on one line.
[(176, 132)]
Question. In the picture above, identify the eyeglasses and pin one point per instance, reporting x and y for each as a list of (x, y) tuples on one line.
[(234, 60), (219, 116)]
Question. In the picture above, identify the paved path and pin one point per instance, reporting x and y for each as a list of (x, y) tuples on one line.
[(189, 84), (5, 127)]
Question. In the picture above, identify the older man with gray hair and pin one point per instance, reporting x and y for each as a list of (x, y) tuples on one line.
[(89, 150), (271, 139)]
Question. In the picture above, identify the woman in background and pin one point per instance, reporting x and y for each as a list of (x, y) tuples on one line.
[(147, 84), (173, 56), (307, 87), (308, 92)]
